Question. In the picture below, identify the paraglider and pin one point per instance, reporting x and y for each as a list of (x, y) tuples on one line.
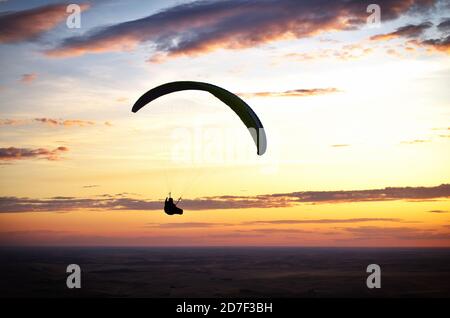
[(170, 207), (241, 109)]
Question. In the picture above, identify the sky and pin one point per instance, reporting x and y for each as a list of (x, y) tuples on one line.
[(355, 105)]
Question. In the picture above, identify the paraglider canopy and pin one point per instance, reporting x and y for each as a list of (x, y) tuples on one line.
[(245, 113)]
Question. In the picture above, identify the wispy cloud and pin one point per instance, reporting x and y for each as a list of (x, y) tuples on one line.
[(444, 25), (301, 92), (51, 122), (28, 78), (344, 53), (415, 141), (12, 153), (29, 24), (340, 145), (438, 211), (386, 194), (269, 231), (414, 33), (407, 31), (13, 122), (438, 44), (441, 43), (402, 233), (325, 221), (203, 26), (67, 122), (186, 225)]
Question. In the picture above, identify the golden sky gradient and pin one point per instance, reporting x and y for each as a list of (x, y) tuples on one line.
[(356, 116)]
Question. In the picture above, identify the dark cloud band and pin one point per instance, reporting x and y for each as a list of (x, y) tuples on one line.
[(204, 26), (121, 202)]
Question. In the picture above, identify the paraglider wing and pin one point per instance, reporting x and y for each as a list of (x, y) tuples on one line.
[(245, 113)]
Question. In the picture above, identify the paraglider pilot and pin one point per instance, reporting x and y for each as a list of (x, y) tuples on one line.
[(170, 207)]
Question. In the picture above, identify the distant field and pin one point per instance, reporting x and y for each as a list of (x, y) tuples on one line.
[(224, 272)]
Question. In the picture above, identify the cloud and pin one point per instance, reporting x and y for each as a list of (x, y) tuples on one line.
[(123, 201), (386, 194), (186, 225), (12, 122), (50, 122), (91, 186), (28, 78), (447, 128), (203, 26), (77, 122), (325, 221), (402, 233), (438, 44), (12, 153), (29, 24), (438, 211), (340, 145), (444, 26), (415, 32), (441, 43), (301, 92), (345, 52), (67, 122), (235, 235), (71, 238), (416, 141), (59, 204), (272, 222), (407, 31), (277, 231)]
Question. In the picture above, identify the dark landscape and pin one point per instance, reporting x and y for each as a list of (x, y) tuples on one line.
[(224, 272)]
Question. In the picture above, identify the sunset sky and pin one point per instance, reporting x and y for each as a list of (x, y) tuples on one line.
[(356, 116)]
